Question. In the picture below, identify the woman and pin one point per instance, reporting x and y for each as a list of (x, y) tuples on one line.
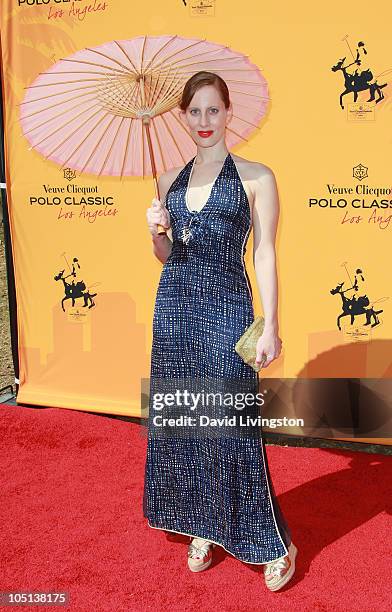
[(216, 488)]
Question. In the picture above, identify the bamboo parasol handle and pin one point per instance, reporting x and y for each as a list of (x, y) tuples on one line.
[(146, 123)]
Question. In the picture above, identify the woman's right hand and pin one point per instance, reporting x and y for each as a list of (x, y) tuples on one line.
[(157, 214)]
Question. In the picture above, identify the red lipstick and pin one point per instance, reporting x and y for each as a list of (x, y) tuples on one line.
[(205, 134)]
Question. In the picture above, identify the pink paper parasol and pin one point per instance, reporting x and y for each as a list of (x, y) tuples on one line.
[(113, 109)]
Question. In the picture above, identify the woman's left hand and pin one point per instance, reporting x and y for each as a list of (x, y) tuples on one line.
[(268, 347)]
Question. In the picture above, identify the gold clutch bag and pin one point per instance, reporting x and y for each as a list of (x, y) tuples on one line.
[(246, 345)]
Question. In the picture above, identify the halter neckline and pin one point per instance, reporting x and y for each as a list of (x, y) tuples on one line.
[(214, 184)]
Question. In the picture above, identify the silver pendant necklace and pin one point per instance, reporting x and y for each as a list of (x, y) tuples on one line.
[(186, 234)]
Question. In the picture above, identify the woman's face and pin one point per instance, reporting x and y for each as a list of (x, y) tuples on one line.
[(206, 116)]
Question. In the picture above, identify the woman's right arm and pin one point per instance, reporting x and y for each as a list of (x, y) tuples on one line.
[(158, 214)]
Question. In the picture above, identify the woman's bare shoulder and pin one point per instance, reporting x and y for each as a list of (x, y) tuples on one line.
[(251, 170), (167, 178)]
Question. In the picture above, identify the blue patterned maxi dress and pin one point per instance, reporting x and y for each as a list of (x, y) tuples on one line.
[(212, 485)]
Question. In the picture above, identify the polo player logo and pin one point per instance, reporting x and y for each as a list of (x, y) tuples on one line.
[(74, 290), (359, 80), (354, 306)]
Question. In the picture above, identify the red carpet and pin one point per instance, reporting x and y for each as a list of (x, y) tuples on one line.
[(71, 516)]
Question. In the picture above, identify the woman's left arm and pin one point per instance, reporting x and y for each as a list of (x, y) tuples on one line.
[(265, 222)]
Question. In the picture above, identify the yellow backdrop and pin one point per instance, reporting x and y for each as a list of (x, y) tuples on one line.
[(94, 358)]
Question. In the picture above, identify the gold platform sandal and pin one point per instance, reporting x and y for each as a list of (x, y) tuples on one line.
[(199, 554), (278, 573)]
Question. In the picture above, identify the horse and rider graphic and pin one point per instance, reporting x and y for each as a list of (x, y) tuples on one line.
[(355, 306), (73, 290), (357, 81)]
